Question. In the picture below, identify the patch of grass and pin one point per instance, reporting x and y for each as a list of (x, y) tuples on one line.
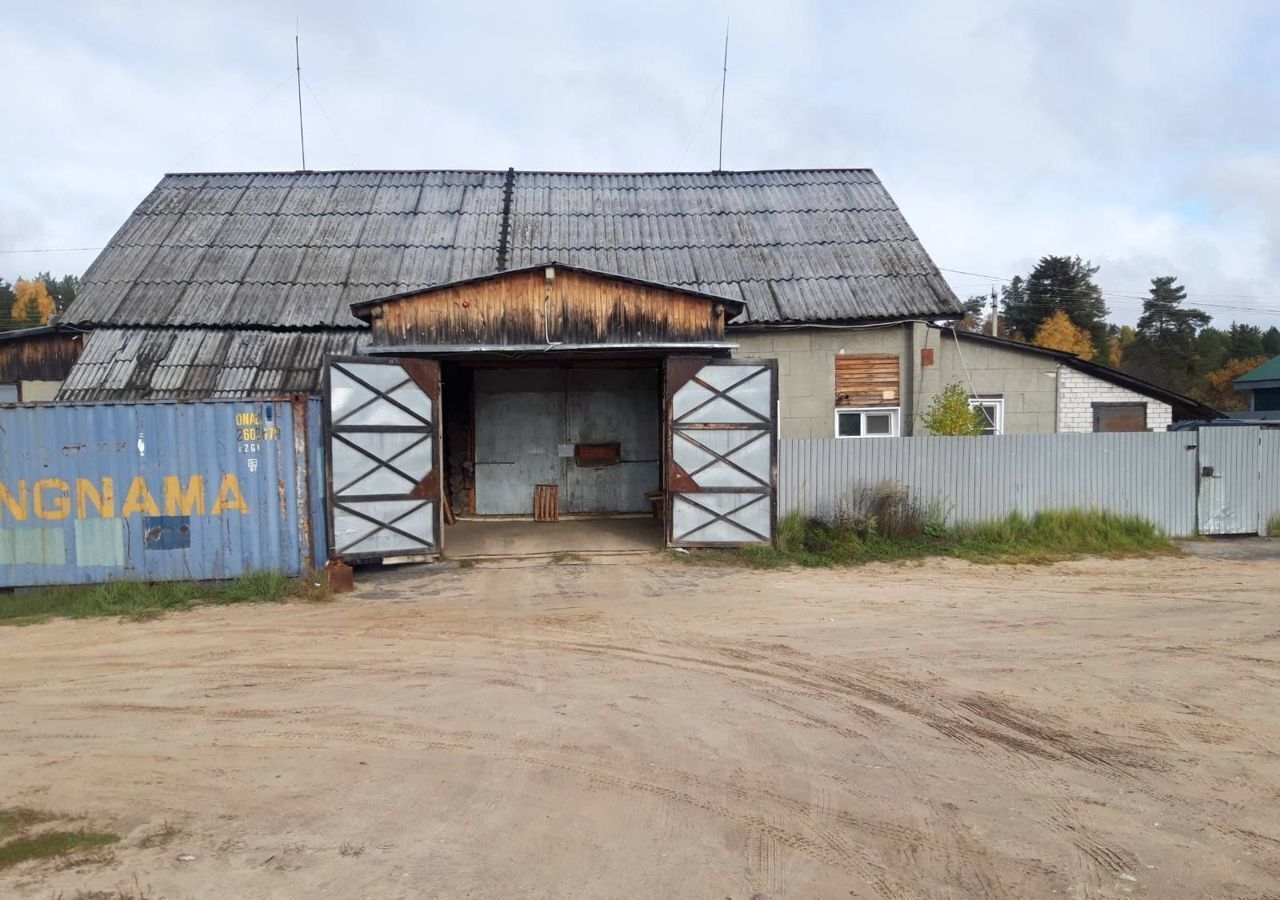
[(20, 818), (139, 600), (1273, 526), (50, 844), (1043, 537), (125, 892), (161, 836)]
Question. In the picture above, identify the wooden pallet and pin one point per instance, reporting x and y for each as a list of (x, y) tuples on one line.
[(546, 502)]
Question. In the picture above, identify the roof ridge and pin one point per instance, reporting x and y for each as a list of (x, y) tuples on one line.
[(816, 169)]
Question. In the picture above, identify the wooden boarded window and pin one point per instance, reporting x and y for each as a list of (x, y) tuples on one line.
[(867, 379), (1119, 417)]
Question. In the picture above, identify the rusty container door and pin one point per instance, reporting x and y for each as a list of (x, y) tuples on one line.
[(722, 452), (384, 457)]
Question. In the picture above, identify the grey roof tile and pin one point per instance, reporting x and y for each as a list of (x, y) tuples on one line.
[(156, 363), (796, 245)]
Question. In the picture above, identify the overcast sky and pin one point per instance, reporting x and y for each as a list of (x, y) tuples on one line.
[(1144, 136)]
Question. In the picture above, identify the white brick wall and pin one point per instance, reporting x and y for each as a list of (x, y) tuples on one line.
[(1077, 392)]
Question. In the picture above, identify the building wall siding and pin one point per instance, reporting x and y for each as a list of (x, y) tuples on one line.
[(38, 391), (807, 369), (1077, 392), (806, 375), (1026, 381)]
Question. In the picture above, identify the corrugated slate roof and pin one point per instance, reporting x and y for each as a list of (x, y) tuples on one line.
[(292, 249), (189, 363)]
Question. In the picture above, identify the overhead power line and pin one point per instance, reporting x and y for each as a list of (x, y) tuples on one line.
[(52, 250), (1138, 293)]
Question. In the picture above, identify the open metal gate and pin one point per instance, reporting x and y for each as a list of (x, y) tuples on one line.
[(1229, 460), (722, 452), (384, 457)]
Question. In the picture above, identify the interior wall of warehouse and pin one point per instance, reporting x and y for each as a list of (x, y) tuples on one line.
[(527, 421)]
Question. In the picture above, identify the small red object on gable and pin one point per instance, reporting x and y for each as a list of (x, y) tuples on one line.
[(926, 356)]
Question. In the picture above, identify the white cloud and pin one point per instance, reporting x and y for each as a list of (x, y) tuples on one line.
[(1136, 135)]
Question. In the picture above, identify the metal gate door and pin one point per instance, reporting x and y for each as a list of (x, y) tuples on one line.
[(1227, 502), (384, 459), (722, 452)]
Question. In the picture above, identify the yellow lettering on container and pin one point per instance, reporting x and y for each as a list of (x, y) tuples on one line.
[(139, 499), (60, 508), (184, 502), (87, 492), (17, 506), (229, 496)]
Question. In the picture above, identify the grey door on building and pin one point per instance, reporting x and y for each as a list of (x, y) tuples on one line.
[(723, 451), (530, 424), (1227, 501), (383, 457)]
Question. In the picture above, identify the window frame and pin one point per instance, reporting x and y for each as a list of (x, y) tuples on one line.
[(895, 413), (996, 401), (1119, 404)]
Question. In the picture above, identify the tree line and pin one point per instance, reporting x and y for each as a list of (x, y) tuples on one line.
[(1060, 306), (29, 302)]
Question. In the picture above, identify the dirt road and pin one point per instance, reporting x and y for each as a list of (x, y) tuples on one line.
[(652, 729)]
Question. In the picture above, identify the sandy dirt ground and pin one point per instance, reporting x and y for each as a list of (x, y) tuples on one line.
[(653, 729)]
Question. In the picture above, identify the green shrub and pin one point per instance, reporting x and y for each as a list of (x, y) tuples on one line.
[(885, 523)]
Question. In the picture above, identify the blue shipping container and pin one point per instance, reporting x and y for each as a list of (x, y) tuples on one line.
[(165, 491)]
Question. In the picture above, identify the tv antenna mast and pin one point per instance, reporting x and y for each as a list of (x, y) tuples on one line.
[(724, 80), (297, 60)]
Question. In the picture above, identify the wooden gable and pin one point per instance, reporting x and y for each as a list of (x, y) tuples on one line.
[(545, 307)]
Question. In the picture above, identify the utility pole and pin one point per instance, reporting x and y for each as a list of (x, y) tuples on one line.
[(995, 313)]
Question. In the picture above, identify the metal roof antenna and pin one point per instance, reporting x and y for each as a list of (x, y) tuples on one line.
[(297, 60), (724, 80)]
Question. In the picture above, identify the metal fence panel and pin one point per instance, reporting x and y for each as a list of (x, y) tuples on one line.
[(1269, 478), (1229, 480), (1152, 475), (155, 491)]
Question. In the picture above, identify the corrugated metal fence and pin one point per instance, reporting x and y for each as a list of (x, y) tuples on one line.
[(160, 491), (1152, 475), (1269, 477)]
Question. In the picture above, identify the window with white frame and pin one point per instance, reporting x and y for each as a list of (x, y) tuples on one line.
[(871, 422), (992, 409)]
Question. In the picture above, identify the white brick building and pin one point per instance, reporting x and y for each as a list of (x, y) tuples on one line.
[(1085, 401)]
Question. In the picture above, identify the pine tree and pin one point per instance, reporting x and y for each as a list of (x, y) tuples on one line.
[(1244, 341), (1164, 348), (1271, 341), (1059, 283), (1014, 296), (7, 296), (974, 308)]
